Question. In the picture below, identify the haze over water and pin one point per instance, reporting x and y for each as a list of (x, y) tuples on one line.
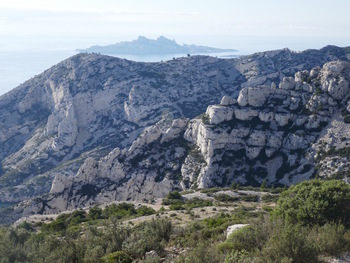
[(37, 34), (22, 59)]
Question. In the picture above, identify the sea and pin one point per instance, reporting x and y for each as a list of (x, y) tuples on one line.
[(22, 58), (20, 65), (4, 205)]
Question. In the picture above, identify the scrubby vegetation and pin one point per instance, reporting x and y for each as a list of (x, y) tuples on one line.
[(311, 220)]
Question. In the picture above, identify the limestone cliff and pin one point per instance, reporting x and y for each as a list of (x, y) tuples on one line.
[(85, 107), (282, 134), (89, 104)]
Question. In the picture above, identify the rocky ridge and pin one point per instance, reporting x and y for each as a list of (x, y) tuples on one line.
[(268, 133), (89, 104)]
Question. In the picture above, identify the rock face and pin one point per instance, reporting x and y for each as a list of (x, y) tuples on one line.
[(88, 105), (277, 142), (91, 106)]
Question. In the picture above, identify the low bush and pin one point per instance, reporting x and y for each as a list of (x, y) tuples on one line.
[(268, 198), (249, 198), (330, 239), (226, 198), (117, 257)]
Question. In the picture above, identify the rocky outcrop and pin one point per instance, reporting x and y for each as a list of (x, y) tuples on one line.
[(148, 169), (275, 144), (253, 96), (272, 141), (89, 105)]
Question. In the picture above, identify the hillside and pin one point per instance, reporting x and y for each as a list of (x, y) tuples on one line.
[(94, 105), (278, 134), (87, 105), (210, 225)]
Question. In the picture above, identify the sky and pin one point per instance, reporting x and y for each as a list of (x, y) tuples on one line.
[(219, 23), (37, 34)]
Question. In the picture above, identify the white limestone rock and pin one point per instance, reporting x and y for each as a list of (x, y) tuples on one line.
[(245, 114), (301, 120), (307, 88), (243, 97), (313, 122), (106, 102), (282, 119), (274, 140), (287, 83), (254, 96), (314, 72), (227, 101), (149, 135), (61, 183), (253, 152), (294, 103), (177, 127), (257, 138), (301, 75), (333, 81), (218, 114), (296, 142), (266, 116)]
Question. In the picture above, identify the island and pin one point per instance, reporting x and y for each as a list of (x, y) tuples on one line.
[(146, 46)]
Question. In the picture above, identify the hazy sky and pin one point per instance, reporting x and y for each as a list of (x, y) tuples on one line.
[(198, 21), (37, 34)]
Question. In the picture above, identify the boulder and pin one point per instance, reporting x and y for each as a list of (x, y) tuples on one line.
[(287, 83), (266, 116), (227, 100), (254, 96), (245, 114), (219, 114), (282, 119)]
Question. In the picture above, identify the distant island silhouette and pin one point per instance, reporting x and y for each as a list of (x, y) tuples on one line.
[(146, 46)]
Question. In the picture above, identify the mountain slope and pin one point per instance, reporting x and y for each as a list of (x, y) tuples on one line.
[(89, 104), (281, 135)]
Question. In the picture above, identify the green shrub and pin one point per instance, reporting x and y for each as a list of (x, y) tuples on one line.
[(289, 243), (119, 211), (210, 190), (148, 236), (63, 221), (95, 213), (174, 195), (203, 252), (145, 211), (117, 257), (238, 240), (315, 202), (196, 202), (226, 198), (250, 237), (177, 206), (268, 198), (331, 239), (249, 198)]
